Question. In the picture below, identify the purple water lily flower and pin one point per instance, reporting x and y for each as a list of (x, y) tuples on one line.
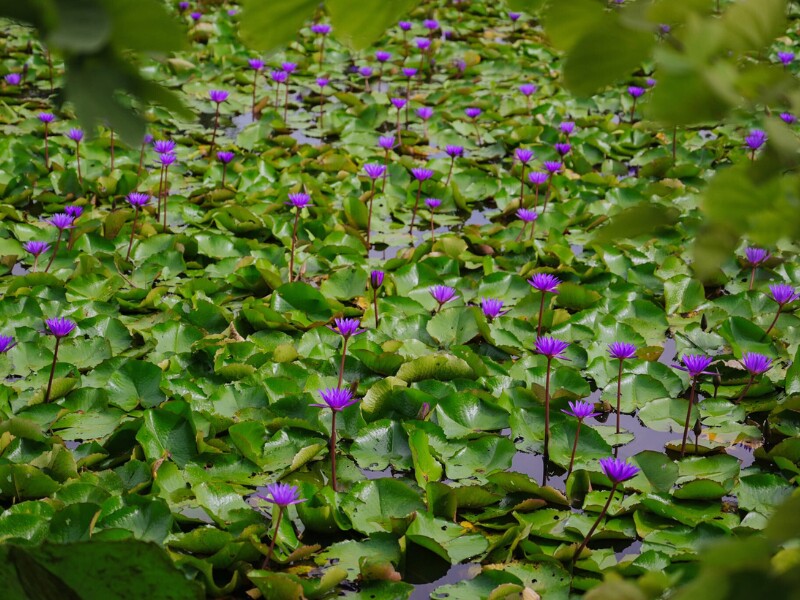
[(138, 199), (365, 72), (75, 134), (323, 81), (61, 221), (218, 96), (398, 103), (528, 89), (527, 215), (46, 117), (580, 410), (183, 6), (73, 211), (60, 327), (386, 142), (288, 67), (279, 76), (442, 294), (347, 328), (424, 112), (256, 64), (167, 158), (755, 363), (785, 57), (196, 15), (6, 343), (755, 139), (36, 248), (164, 146), (321, 28), (783, 293), (492, 308), (433, 203), (430, 24), (523, 155), (281, 494), (514, 16), (695, 364), (618, 470), (550, 347), (538, 177), (756, 256), (404, 25), (374, 171), (545, 282), (552, 166), (337, 399), (651, 82), (788, 118), (473, 112), (567, 128), (621, 350), (635, 91), (409, 72), (225, 157), (299, 200), (13, 78), (454, 151), (383, 56), (562, 148), (421, 174), (376, 279), (422, 43)]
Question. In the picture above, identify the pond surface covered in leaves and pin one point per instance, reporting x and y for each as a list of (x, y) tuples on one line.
[(205, 328)]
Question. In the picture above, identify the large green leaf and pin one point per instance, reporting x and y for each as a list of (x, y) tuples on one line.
[(268, 25), (359, 29)]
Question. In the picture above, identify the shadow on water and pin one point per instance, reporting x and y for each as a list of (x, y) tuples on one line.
[(424, 560)]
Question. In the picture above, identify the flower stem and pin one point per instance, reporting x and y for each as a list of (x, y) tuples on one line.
[(674, 143), (52, 371), (541, 316), (160, 193), (450, 172), (55, 251), (774, 321), (78, 159), (46, 150), (522, 188), (341, 364), (547, 410), (547, 192), (141, 160), (574, 448), (385, 170), (478, 132), (133, 230), (521, 231), (752, 278), (333, 452), (274, 537), (214, 134), (633, 108), (414, 214), (166, 194), (112, 149), (433, 233), (321, 52), (746, 389), (255, 83), (369, 216), (294, 243), (224, 170), (375, 306), (596, 523), (688, 417), (619, 391), (286, 102)]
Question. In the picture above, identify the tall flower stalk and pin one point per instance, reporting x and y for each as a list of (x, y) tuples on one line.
[(526, 215), (442, 294), (620, 351), (550, 348), (635, 92), (58, 328), (281, 495), (387, 143), (524, 156), (618, 471), (754, 140), (473, 113), (62, 222), (217, 97), (375, 282), (36, 249), (337, 399), (552, 167), (581, 411), (138, 201), (537, 179), (347, 328), (755, 364), (322, 82), (225, 158), (166, 160), (546, 284), (433, 204), (46, 118), (322, 30), (374, 172), (257, 66), (756, 257), (782, 294), (299, 202), (453, 152), (695, 365), (420, 174)]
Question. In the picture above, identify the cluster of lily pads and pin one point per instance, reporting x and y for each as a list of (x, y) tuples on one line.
[(207, 286)]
